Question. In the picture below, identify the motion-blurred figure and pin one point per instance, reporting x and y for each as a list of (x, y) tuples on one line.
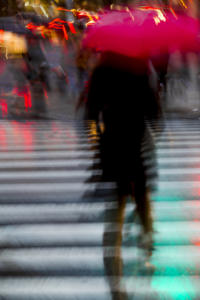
[(125, 100), (120, 95)]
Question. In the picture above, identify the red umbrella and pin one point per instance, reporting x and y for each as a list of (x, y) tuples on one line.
[(143, 33)]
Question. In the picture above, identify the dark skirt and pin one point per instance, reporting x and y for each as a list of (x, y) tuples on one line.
[(126, 160)]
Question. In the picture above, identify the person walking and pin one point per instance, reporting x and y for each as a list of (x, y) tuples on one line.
[(120, 92), (120, 96)]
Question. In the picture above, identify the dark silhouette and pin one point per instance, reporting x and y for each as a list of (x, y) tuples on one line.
[(120, 97), (120, 92)]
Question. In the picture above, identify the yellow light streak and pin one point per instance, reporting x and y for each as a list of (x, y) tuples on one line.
[(183, 3)]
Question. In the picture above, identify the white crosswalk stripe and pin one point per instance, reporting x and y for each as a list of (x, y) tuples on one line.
[(54, 214)]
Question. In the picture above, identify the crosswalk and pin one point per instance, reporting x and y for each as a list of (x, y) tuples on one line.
[(54, 211)]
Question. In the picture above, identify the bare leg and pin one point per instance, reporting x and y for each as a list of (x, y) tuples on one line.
[(143, 206), (113, 261)]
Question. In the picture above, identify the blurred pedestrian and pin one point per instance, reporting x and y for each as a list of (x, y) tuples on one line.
[(120, 96), (120, 92)]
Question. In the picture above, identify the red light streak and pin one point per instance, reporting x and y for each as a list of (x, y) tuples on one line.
[(41, 28), (64, 9), (42, 33), (31, 26), (173, 12), (25, 93), (4, 107), (55, 24), (27, 100), (1, 36), (71, 27), (65, 32), (82, 14), (59, 24), (149, 8), (45, 93)]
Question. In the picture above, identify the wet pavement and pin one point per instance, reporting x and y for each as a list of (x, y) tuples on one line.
[(54, 214)]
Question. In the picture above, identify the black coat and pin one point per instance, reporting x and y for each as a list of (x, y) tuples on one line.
[(125, 101)]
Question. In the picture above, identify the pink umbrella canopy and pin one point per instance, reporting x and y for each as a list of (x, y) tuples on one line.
[(143, 33)]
